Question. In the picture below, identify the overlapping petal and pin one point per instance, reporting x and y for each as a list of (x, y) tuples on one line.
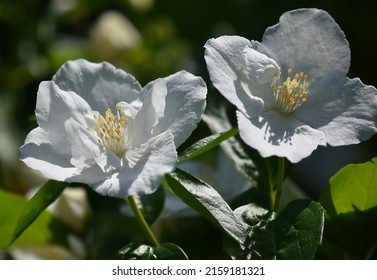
[(54, 107), (39, 154), (145, 168), (184, 105), (100, 84), (150, 114), (226, 65)]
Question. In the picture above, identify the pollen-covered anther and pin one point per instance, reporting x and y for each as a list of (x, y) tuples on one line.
[(292, 93), (111, 131)]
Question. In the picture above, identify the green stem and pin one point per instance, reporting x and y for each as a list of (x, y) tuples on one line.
[(142, 222), (272, 193), (275, 191)]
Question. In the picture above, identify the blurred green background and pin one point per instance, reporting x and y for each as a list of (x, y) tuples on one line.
[(151, 39)]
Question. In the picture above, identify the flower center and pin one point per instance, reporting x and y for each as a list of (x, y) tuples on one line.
[(292, 93), (111, 130)]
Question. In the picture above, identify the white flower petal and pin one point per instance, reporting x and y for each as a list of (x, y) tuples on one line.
[(263, 68), (226, 66), (65, 112), (309, 41), (110, 186), (66, 158), (39, 154), (150, 113), (185, 101), (346, 114), (54, 107), (276, 134), (86, 151), (127, 109), (100, 84), (145, 169), (89, 175)]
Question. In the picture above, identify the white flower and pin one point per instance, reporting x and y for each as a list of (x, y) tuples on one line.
[(291, 90), (98, 126)]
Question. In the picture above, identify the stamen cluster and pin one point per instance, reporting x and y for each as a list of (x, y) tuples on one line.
[(111, 131), (292, 93)]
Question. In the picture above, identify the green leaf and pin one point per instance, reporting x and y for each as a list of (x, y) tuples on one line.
[(165, 251), (169, 251), (39, 202), (135, 251), (44, 230), (205, 145), (260, 224), (352, 189), (293, 233), (205, 200), (350, 200), (299, 228)]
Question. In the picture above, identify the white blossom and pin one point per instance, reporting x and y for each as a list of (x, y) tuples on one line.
[(98, 126), (290, 90)]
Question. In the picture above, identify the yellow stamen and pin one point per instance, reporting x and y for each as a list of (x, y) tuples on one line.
[(292, 93), (111, 131)]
